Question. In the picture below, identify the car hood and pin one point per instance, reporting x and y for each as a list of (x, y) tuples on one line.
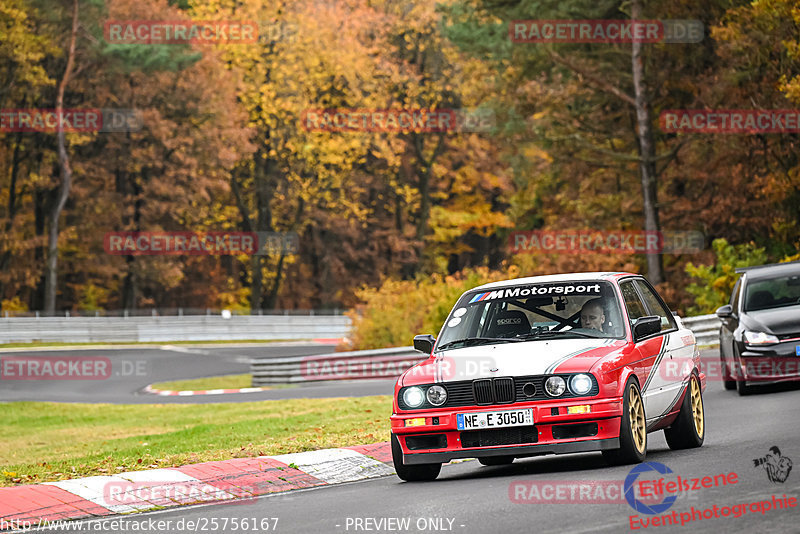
[(512, 359), (778, 321)]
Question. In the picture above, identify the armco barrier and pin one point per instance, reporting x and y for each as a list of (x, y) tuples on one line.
[(705, 328), (362, 364), (175, 328), (386, 363)]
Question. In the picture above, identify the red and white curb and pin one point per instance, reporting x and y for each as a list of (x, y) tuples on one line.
[(189, 393), (219, 481)]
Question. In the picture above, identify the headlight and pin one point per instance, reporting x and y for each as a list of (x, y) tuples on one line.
[(413, 397), (555, 386), (759, 338), (580, 384), (437, 395)]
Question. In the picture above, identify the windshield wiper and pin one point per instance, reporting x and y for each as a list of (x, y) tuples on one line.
[(478, 341), (554, 333)]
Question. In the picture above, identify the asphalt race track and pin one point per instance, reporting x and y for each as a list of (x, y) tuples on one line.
[(132, 369), (470, 498)]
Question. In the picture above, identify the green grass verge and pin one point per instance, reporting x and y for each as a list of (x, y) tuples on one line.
[(200, 384), (196, 342), (44, 442)]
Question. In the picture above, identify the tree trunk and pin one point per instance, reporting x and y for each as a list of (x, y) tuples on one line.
[(647, 165), (12, 209), (51, 275), (264, 189)]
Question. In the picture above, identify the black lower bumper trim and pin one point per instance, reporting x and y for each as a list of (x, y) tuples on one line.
[(527, 450)]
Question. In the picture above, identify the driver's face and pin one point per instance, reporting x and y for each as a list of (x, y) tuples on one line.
[(593, 317)]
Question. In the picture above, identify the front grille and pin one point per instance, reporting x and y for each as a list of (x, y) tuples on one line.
[(493, 390), (499, 436), (483, 390), (504, 389), (465, 392)]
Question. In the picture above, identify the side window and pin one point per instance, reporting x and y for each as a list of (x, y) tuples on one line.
[(735, 295), (655, 307), (633, 303)]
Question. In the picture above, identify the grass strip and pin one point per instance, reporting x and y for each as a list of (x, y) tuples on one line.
[(44, 442), (201, 384)]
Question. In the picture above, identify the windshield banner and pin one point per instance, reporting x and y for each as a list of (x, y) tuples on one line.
[(549, 289)]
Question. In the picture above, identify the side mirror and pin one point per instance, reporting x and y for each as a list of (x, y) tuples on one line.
[(424, 343), (646, 326), (724, 312)]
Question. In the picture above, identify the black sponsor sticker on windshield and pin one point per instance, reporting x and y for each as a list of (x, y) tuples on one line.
[(528, 291)]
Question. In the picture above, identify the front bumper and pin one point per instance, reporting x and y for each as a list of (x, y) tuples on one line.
[(769, 363), (555, 431)]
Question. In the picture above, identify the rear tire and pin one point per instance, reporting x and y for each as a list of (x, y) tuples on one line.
[(412, 473), (689, 429), (496, 460), (632, 429)]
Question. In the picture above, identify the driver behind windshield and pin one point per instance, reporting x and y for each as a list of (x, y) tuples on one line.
[(592, 315)]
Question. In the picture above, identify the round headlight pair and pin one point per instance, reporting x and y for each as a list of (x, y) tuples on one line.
[(581, 384), (414, 397)]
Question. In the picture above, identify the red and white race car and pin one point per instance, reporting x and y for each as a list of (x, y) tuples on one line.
[(549, 365)]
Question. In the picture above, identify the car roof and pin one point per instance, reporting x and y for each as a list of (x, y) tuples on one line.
[(566, 277), (774, 270)]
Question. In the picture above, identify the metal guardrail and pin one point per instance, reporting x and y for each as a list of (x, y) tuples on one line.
[(704, 327), (176, 328), (389, 363), (361, 364)]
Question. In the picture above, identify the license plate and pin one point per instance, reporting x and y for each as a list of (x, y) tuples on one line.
[(471, 421)]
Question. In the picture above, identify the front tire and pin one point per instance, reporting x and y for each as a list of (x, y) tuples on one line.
[(689, 429), (741, 384), (727, 380), (632, 429), (412, 473)]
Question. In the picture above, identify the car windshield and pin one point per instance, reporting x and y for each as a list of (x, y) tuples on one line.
[(529, 312), (776, 292)]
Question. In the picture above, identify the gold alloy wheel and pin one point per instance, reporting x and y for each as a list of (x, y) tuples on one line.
[(636, 418), (697, 408)]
